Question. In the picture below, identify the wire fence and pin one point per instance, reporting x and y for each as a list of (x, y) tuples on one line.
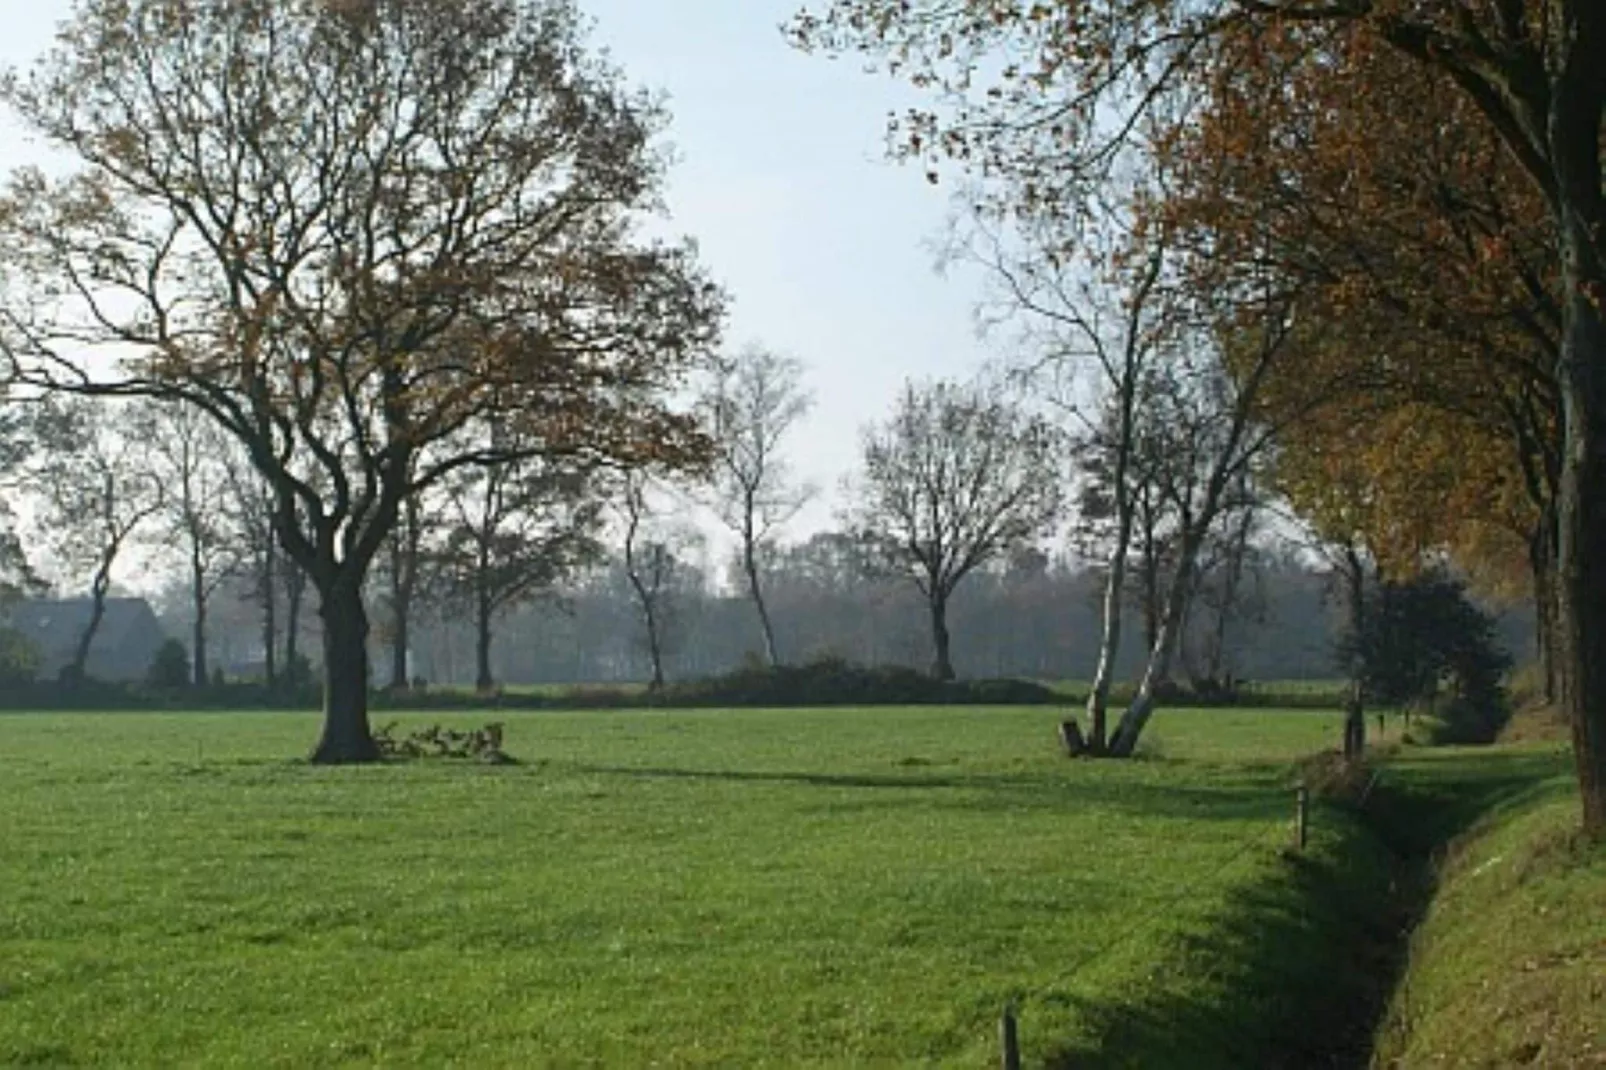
[(1294, 834)]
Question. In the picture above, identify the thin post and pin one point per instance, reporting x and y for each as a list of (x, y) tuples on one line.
[(1009, 1040), (1302, 816)]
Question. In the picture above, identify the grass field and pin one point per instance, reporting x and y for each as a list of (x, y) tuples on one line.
[(829, 887)]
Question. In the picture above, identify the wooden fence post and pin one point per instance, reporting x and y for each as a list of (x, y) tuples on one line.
[(1302, 816), (1009, 1039)]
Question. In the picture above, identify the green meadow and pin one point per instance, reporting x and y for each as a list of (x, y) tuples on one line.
[(741, 888)]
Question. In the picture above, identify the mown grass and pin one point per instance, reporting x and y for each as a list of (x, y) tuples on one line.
[(781, 888), (1509, 965)]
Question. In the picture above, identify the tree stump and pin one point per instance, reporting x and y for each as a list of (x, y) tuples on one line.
[(1072, 740)]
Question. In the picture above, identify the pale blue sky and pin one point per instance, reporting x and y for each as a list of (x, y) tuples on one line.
[(825, 247)]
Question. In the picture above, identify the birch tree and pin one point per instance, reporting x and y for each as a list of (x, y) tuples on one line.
[(653, 562), (186, 452), (510, 532), (757, 398), (1104, 312), (1041, 96)]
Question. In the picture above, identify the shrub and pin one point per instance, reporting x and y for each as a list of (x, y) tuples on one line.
[(19, 658), (836, 682), (1426, 644), (170, 667), (298, 674)]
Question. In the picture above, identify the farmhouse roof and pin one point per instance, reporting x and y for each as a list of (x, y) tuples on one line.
[(55, 624)]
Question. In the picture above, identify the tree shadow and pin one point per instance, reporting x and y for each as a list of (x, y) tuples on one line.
[(1294, 972), (1012, 792), (1298, 969)]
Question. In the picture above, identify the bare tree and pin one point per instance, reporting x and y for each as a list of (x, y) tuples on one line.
[(653, 563), (1107, 308), (403, 568), (1229, 592), (248, 507), (187, 452), (93, 481), (445, 232), (1179, 375), (1209, 401), (958, 477), (757, 397), (512, 531)]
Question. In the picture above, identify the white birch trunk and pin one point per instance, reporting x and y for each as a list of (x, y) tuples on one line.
[(1158, 668), (1110, 641)]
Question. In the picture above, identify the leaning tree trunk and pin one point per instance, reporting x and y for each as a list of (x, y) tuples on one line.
[(78, 667), (346, 735), (942, 665), (648, 599), (1581, 516), (1098, 699), (750, 566), (1158, 668)]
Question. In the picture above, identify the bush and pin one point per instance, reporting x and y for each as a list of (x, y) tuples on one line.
[(19, 658), (297, 674), (1427, 645), (170, 667), (836, 682)]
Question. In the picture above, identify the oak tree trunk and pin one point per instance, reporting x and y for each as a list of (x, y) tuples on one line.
[(1581, 515), (346, 735)]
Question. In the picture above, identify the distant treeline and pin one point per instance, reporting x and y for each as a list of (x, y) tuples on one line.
[(1033, 619)]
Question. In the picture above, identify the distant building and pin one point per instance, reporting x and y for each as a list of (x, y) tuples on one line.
[(127, 639)]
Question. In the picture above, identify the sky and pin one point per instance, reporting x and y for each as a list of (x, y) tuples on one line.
[(826, 249)]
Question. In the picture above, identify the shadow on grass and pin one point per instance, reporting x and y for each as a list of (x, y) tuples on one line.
[(1298, 969), (1292, 973), (1012, 792)]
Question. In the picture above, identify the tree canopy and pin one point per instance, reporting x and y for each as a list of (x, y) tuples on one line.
[(344, 231)]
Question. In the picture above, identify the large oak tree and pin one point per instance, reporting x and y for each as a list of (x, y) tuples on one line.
[(344, 231)]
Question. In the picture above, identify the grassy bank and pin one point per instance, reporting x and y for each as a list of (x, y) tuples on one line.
[(738, 887), (1508, 967)]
